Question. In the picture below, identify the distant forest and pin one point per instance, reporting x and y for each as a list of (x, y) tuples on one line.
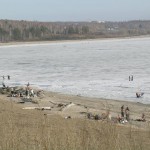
[(11, 30)]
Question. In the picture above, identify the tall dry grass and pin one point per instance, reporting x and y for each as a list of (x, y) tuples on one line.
[(32, 130)]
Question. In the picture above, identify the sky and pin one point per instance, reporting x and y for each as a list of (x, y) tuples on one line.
[(75, 10)]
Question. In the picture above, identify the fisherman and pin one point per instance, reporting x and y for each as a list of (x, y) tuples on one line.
[(132, 78), (8, 77)]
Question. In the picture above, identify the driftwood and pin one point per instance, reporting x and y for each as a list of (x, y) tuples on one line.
[(53, 103), (26, 99), (58, 104), (67, 106), (38, 108), (21, 102)]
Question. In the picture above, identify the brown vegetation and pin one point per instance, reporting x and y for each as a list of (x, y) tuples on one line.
[(35, 31), (31, 129)]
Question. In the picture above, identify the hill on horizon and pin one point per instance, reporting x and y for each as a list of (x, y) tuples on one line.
[(14, 30)]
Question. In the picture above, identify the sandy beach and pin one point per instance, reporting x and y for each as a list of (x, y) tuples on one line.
[(67, 41), (75, 106)]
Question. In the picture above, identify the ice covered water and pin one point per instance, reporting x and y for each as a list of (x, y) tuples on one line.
[(98, 68)]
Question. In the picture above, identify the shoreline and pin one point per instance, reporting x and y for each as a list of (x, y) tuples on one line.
[(78, 106), (67, 41), (100, 98)]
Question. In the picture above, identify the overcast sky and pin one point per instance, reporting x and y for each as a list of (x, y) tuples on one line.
[(75, 10)]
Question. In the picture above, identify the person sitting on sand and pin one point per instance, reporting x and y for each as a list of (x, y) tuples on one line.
[(119, 118), (21, 95), (142, 118)]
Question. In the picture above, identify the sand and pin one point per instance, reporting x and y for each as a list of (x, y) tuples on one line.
[(74, 106), (66, 41)]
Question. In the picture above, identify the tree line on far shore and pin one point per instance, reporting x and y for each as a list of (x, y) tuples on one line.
[(11, 30)]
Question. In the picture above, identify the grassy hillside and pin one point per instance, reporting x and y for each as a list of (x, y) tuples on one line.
[(31, 129)]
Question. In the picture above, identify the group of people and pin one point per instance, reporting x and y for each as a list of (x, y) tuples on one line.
[(125, 115), (6, 76), (29, 92), (131, 78), (15, 93)]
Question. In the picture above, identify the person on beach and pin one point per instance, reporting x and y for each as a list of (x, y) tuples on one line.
[(132, 78), (8, 77), (4, 86), (127, 114), (28, 84), (119, 118), (138, 95), (12, 92), (142, 119), (122, 111), (32, 93), (27, 93)]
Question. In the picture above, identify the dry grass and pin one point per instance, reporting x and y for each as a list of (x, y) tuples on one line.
[(32, 130)]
